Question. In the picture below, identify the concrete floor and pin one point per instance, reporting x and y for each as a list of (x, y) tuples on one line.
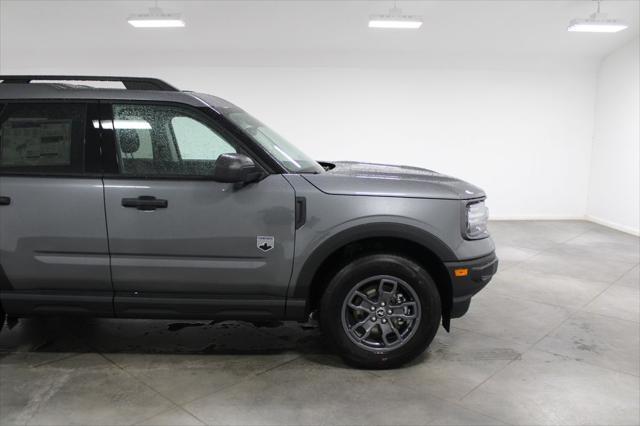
[(554, 339)]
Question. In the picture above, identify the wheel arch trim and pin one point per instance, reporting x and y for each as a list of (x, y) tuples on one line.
[(301, 288)]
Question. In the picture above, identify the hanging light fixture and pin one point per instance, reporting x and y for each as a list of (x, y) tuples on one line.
[(156, 18), (395, 19), (597, 23)]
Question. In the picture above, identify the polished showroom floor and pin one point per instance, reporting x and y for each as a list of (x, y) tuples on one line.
[(554, 339)]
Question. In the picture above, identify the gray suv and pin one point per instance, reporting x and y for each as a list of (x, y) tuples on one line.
[(151, 202)]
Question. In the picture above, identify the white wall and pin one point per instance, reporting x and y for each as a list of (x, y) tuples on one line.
[(509, 105), (614, 187), (523, 136)]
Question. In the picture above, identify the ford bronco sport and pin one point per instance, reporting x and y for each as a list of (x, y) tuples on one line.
[(150, 202)]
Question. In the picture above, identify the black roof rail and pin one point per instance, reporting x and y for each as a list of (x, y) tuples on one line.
[(130, 83)]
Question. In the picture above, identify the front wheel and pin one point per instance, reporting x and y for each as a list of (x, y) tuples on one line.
[(381, 311)]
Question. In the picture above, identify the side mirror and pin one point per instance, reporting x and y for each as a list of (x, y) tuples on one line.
[(235, 168)]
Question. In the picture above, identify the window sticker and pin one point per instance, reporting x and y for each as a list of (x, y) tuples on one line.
[(36, 142)]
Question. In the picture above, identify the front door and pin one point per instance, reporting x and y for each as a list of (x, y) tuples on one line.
[(181, 244)]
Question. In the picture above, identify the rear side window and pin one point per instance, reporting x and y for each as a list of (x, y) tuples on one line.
[(42, 138)]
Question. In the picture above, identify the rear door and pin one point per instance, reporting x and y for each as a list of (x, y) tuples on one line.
[(53, 241), (182, 244)]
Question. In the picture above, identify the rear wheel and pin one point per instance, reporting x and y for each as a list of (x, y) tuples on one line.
[(381, 311)]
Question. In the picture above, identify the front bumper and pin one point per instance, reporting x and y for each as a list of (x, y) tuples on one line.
[(479, 273)]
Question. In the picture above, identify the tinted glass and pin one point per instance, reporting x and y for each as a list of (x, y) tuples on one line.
[(196, 141), (37, 138), (157, 140), (287, 154), (294, 160)]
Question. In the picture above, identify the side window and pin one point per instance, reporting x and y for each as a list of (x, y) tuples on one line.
[(157, 140), (196, 141), (42, 138)]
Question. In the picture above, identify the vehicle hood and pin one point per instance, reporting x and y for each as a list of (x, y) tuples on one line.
[(352, 178)]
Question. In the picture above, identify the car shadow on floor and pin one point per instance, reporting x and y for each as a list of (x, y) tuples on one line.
[(58, 335)]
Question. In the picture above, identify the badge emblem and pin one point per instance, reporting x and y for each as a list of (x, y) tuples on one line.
[(265, 243)]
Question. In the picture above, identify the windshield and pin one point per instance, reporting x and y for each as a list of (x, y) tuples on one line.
[(294, 160)]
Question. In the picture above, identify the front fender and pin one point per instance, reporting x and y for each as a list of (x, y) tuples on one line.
[(334, 221), (300, 290)]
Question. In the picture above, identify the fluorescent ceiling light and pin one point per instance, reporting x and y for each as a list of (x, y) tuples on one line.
[(122, 124), (156, 18), (157, 23), (395, 19), (597, 23), (131, 125), (394, 23)]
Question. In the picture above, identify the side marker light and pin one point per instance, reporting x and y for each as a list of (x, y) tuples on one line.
[(461, 272)]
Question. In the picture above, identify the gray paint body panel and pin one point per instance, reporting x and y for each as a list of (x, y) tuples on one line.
[(199, 256), (382, 180), (53, 236), (204, 242), (329, 215)]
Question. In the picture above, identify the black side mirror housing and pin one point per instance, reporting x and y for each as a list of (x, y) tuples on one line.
[(235, 168)]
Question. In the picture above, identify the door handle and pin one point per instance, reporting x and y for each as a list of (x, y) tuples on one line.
[(145, 203), (5, 201)]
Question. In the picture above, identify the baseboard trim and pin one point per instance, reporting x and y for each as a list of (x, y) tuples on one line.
[(588, 218), (551, 217), (612, 225)]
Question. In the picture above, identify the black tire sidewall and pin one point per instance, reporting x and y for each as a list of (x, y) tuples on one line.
[(366, 267)]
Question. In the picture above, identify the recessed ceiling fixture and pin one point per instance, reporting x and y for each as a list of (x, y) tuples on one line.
[(597, 23), (156, 18), (395, 19)]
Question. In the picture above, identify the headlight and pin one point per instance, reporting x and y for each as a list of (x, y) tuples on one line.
[(477, 218)]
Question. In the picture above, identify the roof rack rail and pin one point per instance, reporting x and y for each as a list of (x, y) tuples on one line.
[(130, 83)]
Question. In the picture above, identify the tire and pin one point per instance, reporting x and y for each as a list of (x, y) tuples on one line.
[(369, 281)]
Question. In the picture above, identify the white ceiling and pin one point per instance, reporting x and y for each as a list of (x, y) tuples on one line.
[(311, 33)]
